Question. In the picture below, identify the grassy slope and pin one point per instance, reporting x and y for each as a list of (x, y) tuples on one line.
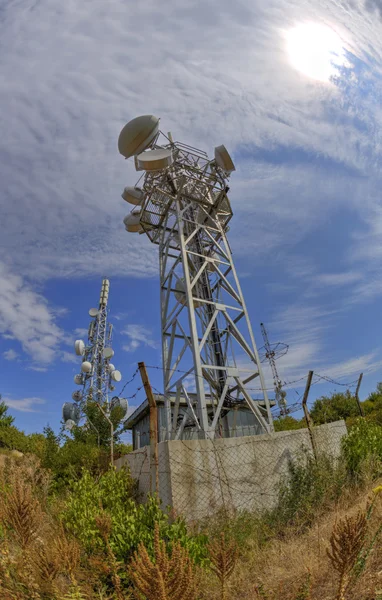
[(283, 565)]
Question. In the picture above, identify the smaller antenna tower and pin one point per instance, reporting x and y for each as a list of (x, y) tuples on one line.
[(98, 375), (272, 352)]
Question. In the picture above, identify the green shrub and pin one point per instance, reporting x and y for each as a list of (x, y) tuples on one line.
[(363, 442), (132, 523), (288, 423), (309, 488)]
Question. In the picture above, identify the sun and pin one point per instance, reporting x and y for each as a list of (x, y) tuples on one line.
[(315, 50)]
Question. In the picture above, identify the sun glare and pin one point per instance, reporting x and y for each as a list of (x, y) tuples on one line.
[(315, 50)]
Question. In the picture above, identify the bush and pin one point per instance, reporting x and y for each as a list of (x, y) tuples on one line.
[(363, 442), (309, 488), (132, 523)]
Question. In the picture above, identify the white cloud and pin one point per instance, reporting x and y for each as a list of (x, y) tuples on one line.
[(81, 332), (138, 335), (64, 117), (10, 355), (69, 357), (338, 279), (24, 404), (26, 316)]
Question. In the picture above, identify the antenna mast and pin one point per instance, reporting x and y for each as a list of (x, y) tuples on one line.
[(98, 374), (270, 354), (207, 339)]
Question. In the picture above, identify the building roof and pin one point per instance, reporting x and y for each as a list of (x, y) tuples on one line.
[(143, 409)]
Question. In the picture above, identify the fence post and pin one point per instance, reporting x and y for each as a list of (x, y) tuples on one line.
[(307, 415), (154, 470), (357, 397)]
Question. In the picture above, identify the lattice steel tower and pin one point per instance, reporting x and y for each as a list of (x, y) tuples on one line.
[(181, 203), (98, 373), (273, 351)]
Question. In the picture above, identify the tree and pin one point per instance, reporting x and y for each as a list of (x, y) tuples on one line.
[(5, 420), (337, 406), (288, 423), (97, 425)]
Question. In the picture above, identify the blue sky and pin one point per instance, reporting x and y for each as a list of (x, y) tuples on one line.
[(306, 194)]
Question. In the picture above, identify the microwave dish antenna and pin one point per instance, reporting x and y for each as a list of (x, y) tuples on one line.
[(138, 135), (205, 326)]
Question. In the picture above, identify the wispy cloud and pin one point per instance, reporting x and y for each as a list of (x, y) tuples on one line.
[(81, 332), (24, 404), (10, 355), (138, 335), (69, 357), (26, 317)]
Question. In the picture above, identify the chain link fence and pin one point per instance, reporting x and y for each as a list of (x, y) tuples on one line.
[(197, 477)]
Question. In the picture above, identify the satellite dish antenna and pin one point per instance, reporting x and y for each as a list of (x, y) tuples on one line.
[(137, 135), (111, 368), (69, 424), (121, 403), (71, 412), (133, 195), (77, 396), (223, 159), (116, 376), (155, 160), (137, 167), (86, 367), (78, 379), (180, 293), (93, 312), (132, 222), (79, 347), (108, 352)]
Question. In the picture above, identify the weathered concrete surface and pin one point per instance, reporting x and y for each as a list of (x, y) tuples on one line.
[(199, 476)]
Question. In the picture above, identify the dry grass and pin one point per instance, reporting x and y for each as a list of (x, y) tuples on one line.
[(164, 578), (280, 570)]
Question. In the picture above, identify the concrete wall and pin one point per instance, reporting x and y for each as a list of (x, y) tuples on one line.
[(199, 476)]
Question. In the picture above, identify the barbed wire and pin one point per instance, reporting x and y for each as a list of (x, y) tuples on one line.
[(326, 378), (129, 381)]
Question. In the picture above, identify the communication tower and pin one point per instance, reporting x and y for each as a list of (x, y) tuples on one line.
[(98, 375), (273, 351), (181, 203)]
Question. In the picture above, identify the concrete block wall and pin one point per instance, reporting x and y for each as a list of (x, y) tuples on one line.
[(197, 477)]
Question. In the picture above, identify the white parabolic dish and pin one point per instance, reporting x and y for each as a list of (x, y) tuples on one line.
[(78, 379), (137, 135), (133, 195), (111, 368), (108, 352), (116, 376), (223, 159), (155, 160), (86, 367), (93, 312), (79, 347), (132, 222)]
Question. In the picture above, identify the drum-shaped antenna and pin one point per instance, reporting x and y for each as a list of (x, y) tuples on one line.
[(116, 376), (86, 367), (223, 159), (137, 135), (155, 160), (133, 195), (79, 347)]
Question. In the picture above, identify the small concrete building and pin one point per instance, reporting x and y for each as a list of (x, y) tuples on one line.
[(238, 422)]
